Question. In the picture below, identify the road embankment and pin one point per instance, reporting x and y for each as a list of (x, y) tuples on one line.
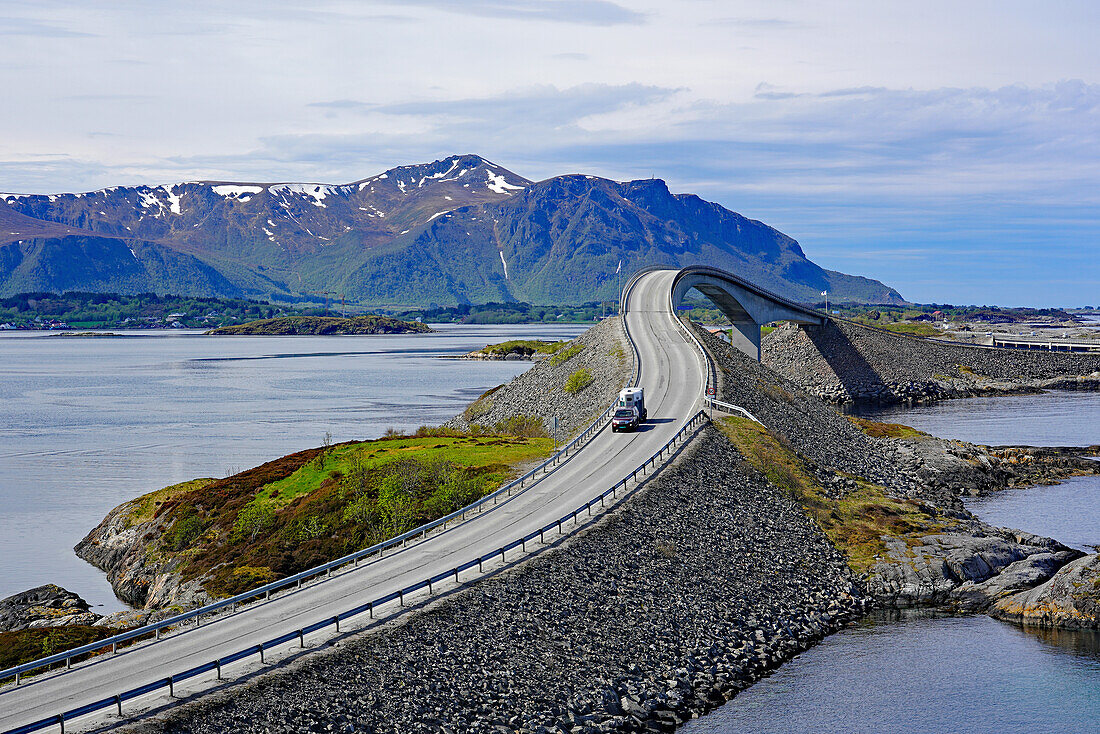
[(845, 362), (699, 585), (851, 474), (601, 358)]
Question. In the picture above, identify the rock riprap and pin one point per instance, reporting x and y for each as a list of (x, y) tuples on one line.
[(845, 362), (955, 559), (696, 587), (602, 352)]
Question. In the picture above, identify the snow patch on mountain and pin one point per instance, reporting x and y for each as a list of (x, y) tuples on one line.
[(173, 198), (149, 200), (317, 192), (497, 184), (234, 191)]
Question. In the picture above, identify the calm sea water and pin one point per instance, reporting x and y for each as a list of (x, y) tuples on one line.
[(88, 423), (925, 672), (1057, 418)]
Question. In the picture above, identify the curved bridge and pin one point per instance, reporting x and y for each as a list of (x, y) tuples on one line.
[(595, 472), (746, 305)]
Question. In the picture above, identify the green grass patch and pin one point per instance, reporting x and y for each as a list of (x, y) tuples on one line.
[(856, 523), (525, 347), (564, 355), (916, 328), (877, 429), (313, 506), (146, 506), (765, 330), (577, 381)]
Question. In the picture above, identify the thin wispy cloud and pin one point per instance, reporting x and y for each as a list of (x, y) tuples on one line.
[(38, 29), (585, 12), (765, 24)]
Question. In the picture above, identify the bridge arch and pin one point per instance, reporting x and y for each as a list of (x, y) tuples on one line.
[(745, 304)]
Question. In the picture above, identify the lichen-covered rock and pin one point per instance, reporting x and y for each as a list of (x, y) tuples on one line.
[(130, 618), (121, 547), (1071, 598), (965, 569), (44, 606)]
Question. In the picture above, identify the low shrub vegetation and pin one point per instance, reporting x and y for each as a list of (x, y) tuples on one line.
[(855, 523), (524, 347), (26, 645), (876, 429), (313, 506), (577, 381), (564, 355)]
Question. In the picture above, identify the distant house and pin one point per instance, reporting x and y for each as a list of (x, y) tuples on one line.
[(937, 315), (174, 316)]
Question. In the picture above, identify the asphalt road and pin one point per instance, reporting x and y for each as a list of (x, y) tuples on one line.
[(672, 374)]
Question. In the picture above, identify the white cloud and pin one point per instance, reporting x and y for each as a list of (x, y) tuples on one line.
[(840, 122)]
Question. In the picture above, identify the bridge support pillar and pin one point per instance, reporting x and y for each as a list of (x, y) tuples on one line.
[(746, 338)]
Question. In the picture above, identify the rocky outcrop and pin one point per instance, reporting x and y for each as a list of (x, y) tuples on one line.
[(602, 351), (44, 606), (124, 549), (845, 362), (1071, 599), (968, 568)]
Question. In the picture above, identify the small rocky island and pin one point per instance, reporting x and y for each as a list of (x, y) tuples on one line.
[(322, 326)]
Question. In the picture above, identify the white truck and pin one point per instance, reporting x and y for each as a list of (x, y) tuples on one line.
[(630, 409)]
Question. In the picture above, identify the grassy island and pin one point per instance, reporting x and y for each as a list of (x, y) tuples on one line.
[(235, 533), (322, 326)]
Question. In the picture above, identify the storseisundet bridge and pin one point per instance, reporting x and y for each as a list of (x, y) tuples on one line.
[(229, 639)]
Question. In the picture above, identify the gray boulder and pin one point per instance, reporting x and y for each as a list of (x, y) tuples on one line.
[(44, 606), (1071, 599)]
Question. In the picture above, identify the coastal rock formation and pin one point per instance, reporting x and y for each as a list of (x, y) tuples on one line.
[(702, 583), (956, 559), (602, 351), (968, 568), (44, 606), (1070, 599), (121, 547), (844, 362)]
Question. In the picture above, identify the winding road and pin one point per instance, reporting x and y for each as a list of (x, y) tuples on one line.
[(673, 375)]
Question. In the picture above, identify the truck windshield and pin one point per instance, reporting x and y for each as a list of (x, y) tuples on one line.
[(624, 413)]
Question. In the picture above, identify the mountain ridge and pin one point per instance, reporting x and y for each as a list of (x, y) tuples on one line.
[(457, 230)]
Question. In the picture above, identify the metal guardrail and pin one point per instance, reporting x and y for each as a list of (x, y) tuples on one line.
[(296, 580), (690, 427), (681, 436)]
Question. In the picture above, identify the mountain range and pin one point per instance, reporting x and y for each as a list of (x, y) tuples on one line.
[(457, 230)]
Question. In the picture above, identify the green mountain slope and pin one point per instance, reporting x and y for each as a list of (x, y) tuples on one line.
[(458, 230)]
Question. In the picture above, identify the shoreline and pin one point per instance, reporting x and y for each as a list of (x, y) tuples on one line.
[(636, 699)]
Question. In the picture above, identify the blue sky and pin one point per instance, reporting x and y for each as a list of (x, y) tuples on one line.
[(951, 150)]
